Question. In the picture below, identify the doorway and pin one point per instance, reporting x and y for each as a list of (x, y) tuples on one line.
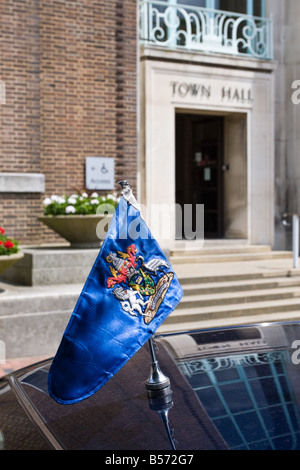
[(200, 171)]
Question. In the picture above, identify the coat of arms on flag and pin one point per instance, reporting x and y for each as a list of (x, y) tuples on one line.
[(129, 293), (139, 291)]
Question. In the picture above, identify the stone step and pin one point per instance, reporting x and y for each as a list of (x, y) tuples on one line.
[(236, 299), (38, 302), (239, 286), (211, 323), (32, 320), (51, 266), (219, 279), (33, 334), (228, 298), (227, 257), (221, 249), (197, 315)]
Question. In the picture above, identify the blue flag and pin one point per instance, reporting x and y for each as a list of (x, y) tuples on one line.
[(128, 294)]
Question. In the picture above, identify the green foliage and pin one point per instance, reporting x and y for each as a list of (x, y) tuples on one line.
[(78, 204)]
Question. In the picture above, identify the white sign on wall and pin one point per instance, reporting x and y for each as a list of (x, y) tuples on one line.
[(100, 173)]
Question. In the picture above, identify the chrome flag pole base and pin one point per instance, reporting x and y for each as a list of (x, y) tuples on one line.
[(156, 380), (160, 394)]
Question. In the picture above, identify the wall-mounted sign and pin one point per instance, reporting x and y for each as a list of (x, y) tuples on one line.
[(211, 91), (100, 173)]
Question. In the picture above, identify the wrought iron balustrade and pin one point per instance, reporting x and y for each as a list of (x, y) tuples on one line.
[(192, 28)]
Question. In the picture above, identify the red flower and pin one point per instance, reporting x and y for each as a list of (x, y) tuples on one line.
[(8, 244), (1, 242), (2, 230)]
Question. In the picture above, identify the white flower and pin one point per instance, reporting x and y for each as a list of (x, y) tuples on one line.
[(74, 195), (70, 210), (94, 201), (84, 195), (58, 199), (94, 195), (114, 197), (72, 200), (47, 201)]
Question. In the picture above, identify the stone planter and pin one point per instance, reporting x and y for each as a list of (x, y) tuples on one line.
[(80, 230), (6, 261)]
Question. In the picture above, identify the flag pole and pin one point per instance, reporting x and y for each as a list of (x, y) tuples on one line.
[(160, 393), (156, 380), (157, 385)]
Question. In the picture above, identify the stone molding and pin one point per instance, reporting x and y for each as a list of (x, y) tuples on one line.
[(22, 183)]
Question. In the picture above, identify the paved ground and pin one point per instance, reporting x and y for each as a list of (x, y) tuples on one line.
[(11, 365)]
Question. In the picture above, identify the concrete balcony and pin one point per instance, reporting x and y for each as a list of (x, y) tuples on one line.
[(189, 28)]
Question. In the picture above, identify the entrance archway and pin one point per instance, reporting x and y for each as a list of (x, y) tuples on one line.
[(211, 169)]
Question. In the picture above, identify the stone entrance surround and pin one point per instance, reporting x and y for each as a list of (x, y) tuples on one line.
[(241, 90)]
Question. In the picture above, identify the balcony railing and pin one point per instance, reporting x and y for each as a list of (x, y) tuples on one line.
[(175, 26)]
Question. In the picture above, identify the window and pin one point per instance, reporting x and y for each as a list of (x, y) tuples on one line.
[(250, 7), (235, 27)]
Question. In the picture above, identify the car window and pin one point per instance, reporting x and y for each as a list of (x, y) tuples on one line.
[(247, 382)]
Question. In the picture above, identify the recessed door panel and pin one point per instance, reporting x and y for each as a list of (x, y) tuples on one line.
[(199, 169)]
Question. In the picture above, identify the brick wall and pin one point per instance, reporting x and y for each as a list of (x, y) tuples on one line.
[(70, 73)]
